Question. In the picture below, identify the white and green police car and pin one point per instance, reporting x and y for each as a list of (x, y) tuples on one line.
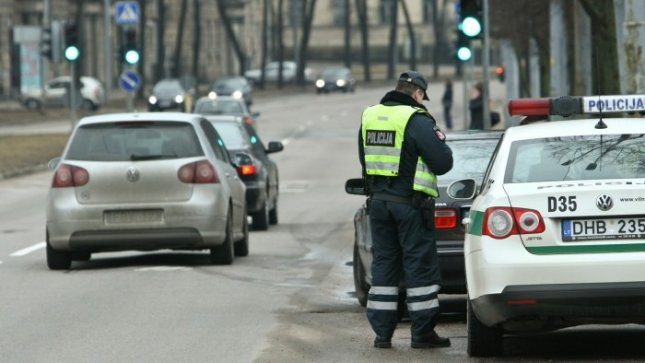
[(556, 234)]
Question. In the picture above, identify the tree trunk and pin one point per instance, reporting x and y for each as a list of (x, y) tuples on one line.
[(176, 71), (605, 52), (304, 41), (197, 35), (161, 51), (361, 9), (348, 29), (142, 50), (280, 42), (241, 57), (413, 42), (394, 25), (265, 40)]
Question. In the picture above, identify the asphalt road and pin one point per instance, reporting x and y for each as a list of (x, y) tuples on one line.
[(290, 300)]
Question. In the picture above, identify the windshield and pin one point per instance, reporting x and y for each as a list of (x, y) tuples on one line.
[(233, 83), (233, 135), (589, 157), (470, 158), (333, 73), (122, 141), (165, 86), (219, 107)]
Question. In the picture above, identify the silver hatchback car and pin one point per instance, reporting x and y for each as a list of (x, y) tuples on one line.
[(144, 182)]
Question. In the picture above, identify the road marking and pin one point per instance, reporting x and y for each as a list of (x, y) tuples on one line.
[(286, 141), (28, 250)]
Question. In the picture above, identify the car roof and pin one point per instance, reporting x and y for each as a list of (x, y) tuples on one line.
[(142, 116), (575, 127), (223, 118), (220, 98), (474, 135)]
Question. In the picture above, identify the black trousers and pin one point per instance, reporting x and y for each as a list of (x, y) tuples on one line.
[(403, 247)]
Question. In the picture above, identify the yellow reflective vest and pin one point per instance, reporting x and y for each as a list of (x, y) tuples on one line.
[(383, 129)]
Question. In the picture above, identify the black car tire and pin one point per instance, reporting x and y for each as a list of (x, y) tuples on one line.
[(58, 260), (81, 256), (242, 246), (361, 287), (261, 219), (483, 341), (33, 104), (88, 105), (273, 214), (224, 254)]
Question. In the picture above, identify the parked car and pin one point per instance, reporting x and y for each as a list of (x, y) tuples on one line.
[(145, 182), (237, 87), (226, 105), (171, 93), (336, 79), (471, 152), (57, 94), (271, 72), (260, 175)]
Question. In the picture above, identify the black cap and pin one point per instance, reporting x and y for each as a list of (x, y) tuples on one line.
[(416, 79)]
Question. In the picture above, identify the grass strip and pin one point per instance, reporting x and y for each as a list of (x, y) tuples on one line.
[(22, 151)]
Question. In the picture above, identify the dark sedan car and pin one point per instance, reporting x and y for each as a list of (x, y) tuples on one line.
[(261, 176), (236, 87), (226, 105), (170, 93), (471, 153), (335, 79)]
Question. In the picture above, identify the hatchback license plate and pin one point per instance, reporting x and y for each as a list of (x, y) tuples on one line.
[(133, 216), (605, 228)]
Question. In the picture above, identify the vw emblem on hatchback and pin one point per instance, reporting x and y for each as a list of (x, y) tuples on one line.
[(604, 202), (132, 174)]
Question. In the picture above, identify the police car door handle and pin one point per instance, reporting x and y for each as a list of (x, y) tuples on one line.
[(465, 221)]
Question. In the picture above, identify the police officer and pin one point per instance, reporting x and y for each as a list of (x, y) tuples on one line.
[(402, 151)]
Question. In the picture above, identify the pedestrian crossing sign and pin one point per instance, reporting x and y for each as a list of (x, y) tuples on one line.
[(127, 12)]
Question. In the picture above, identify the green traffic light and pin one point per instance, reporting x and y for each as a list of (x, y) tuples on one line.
[(72, 53), (464, 54), (471, 26), (132, 57)]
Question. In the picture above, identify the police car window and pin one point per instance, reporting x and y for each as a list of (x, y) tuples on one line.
[(215, 141), (586, 157), (470, 157), (491, 162)]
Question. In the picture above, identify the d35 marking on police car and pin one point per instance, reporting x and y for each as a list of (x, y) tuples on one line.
[(562, 204)]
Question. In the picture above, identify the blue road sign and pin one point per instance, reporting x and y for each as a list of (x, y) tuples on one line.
[(129, 81), (127, 12)]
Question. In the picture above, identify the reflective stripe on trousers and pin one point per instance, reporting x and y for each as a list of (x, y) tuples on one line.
[(383, 298)]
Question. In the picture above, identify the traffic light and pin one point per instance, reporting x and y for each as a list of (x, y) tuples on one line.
[(72, 46), (500, 73), (470, 18), (462, 48), (130, 53), (46, 43)]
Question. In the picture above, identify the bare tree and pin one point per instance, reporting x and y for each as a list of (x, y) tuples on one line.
[(280, 43), (361, 10), (413, 41), (228, 26), (438, 26), (161, 51), (309, 8), (394, 25), (197, 35), (180, 39), (348, 29), (265, 40)]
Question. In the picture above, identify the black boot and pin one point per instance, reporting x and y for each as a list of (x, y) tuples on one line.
[(381, 342), (433, 340)]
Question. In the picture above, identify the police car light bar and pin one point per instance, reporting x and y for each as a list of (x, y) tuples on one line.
[(567, 106)]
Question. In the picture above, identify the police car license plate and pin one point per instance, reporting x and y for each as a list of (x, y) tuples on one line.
[(133, 216), (605, 228)]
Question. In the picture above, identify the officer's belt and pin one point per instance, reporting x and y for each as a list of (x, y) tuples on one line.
[(392, 198)]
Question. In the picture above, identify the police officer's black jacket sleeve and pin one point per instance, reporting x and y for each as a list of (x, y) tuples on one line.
[(422, 135)]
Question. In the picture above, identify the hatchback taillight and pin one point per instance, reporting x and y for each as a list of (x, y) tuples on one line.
[(199, 172), (67, 176), (248, 120), (247, 170), (501, 222), (445, 218)]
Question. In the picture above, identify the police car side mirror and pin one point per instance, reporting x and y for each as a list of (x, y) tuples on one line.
[(274, 147), (464, 189), (355, 186)]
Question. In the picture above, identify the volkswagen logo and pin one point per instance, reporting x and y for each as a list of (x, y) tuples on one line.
[(132, 174), (604, 202)]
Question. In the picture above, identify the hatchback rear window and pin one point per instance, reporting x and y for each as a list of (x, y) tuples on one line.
[(589, 157), (122, 141), (218, 107), (232, 134)]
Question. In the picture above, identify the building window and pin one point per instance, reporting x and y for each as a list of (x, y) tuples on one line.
[(338, 12)]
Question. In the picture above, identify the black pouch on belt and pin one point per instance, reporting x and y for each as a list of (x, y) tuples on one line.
[(427, 213)]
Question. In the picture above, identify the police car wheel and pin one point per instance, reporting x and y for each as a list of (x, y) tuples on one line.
[(360, 286), (57, 260), (242, 246), (224, 254), (483, 341)]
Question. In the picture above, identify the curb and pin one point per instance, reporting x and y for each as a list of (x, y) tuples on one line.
[(23, 171)]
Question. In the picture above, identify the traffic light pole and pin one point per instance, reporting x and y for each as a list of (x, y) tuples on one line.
[(72, 91), (486, 67), (466, 81)]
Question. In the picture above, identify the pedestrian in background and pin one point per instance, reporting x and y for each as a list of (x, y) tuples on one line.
[(446, 101), (476, 106), (401, 151)]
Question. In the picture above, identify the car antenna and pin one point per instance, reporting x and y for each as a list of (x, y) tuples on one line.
[(601, 124)]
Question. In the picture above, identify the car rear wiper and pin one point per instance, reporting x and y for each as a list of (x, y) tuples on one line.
[(135, 157)]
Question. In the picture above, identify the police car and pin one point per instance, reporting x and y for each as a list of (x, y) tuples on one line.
[(556, 234)]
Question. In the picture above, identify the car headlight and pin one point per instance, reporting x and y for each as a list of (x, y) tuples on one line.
[(212, 95), (152, 100), (237, 94), (179, 98), (340, 83), (320, 83)]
